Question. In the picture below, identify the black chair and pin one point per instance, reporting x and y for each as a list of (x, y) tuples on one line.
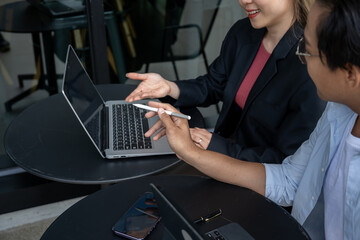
[(187, 27)]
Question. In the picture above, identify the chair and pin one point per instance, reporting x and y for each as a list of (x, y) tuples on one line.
[(185, 37)]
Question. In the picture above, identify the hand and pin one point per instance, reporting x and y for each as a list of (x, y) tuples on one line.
[(201, 137), (158, 127), (152, 86), (176, 129)]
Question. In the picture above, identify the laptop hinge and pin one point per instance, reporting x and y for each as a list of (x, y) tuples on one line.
[(105, 127)]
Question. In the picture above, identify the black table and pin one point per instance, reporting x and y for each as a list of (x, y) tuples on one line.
[(48, 141), (93, 216), (21, 17)]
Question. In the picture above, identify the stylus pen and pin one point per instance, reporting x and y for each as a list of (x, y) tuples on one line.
[(179, 115)]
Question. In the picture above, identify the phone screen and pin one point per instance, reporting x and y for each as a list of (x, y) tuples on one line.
[(140, 219)]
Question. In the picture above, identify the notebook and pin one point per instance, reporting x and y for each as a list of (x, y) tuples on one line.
[(58, 8), (116, 128), (181, 229)]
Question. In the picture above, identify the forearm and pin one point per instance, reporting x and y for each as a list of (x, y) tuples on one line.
[(227, 169), (216, 165), (199, 92)]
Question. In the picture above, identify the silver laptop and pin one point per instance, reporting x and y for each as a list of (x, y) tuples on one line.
[(116, 128), (179, 228), (59, 8)]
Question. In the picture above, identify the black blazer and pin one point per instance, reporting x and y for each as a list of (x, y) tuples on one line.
[(282, 107)]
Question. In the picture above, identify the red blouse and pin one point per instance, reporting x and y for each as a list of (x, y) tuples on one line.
[(255, 69)]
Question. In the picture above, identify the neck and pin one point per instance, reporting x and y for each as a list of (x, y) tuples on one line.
[(275, 33)]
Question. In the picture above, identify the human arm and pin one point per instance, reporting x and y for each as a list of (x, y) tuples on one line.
[(300, 176), (152, 85), (202, 91), (215, 165)]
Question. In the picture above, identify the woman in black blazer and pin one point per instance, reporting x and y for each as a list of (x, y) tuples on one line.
[(282, 106)]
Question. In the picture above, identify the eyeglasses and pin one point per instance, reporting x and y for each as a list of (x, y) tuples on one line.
[(301, 51)]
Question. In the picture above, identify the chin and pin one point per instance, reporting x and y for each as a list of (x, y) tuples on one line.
[(256, 25)]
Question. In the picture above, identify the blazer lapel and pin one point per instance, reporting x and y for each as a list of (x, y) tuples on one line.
[(270, 69), (242, 65), (264, 78), (244, 59)]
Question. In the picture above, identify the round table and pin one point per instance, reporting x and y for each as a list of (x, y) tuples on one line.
[(48, 141), (94, 216), (21, 17)]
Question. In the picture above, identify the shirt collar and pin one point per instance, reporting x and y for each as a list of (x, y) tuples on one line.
[(338, 111)]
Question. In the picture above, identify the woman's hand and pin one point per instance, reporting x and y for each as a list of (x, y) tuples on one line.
[(201, 137), (152, 86)]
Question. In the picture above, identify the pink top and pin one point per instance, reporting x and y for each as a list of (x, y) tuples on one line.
[(255, 69)]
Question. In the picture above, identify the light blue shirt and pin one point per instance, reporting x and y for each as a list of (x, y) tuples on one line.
[(298, 181), (335, 183)]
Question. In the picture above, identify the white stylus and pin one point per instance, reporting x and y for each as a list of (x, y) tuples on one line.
[(166, 111)]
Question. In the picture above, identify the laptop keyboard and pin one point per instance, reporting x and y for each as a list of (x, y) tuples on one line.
[(215, 235), (129, 127)]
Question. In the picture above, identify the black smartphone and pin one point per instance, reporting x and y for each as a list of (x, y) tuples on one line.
[(140, 219)]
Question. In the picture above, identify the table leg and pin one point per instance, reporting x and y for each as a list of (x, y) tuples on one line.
[(50, 62)]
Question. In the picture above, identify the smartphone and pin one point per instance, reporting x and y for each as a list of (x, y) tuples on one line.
[(140, 219)]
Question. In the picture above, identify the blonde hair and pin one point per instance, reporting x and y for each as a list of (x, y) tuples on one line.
[(302, 8)]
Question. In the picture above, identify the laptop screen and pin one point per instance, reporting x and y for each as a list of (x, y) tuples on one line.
[(82, 96), (178, 226)]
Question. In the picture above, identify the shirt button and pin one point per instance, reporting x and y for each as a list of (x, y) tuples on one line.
[(322, 169), (313, 198)]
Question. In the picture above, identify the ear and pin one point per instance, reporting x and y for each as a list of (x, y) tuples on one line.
[(352, 73)]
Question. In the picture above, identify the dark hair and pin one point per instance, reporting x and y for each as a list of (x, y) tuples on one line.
[(338, 33)]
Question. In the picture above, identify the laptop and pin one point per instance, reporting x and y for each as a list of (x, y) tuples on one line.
[(116, 128), (179, 228), (59, 8)]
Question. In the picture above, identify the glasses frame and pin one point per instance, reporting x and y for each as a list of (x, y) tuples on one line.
[(302, 55)]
